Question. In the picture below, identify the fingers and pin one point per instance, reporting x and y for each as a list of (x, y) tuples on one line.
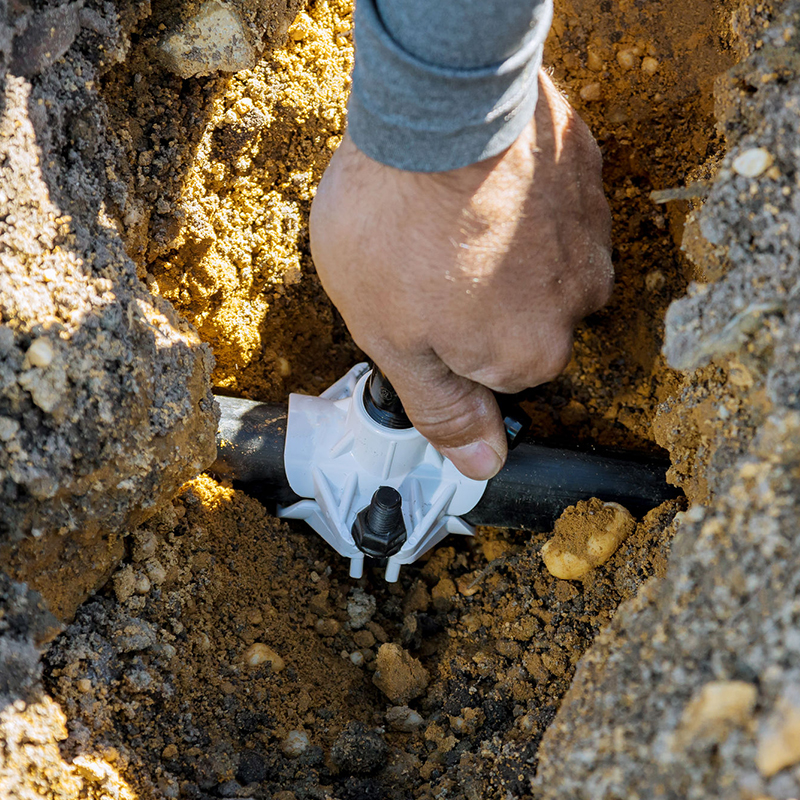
[(458, 417)]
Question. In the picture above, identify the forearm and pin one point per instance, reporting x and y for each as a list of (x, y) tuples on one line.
[(440, 85)]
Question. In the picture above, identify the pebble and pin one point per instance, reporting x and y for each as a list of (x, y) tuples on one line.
[(327, 627), (399, 675), (591, 92), (751, 163), (364, 638), (357, 658), (779, 740), (155, 572), (715, 707), (258, 654), (568, 556), (627, 59), (124, 583), (295, 744), (40, 354), (142, 584), (649, 65), (361, 607), (404, 719)]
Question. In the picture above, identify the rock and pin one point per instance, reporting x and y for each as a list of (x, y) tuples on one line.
[(585, 536), (361, 608), (715, 709), (213, 40), (295, 744), (751, 163), (404, 719), (358, 751), (399, 675), (591, 92), (779, 738), (327, 627), (259, 654), (650, 65), (40, 354)]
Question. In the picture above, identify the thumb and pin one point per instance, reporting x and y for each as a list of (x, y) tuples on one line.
[(459, 417)]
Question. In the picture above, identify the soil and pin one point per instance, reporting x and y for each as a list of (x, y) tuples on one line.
[(229, 654)]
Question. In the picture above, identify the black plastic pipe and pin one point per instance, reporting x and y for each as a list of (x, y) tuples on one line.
[(536, 484)]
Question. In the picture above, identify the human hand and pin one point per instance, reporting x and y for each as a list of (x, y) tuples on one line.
[(461, 282)]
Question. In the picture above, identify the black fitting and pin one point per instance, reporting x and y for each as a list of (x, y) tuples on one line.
[(383, 403), (379, 530)]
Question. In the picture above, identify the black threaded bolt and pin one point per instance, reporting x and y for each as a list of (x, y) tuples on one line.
[(379, 530)]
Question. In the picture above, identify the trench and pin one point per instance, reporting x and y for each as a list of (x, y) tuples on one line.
[(153, 673)]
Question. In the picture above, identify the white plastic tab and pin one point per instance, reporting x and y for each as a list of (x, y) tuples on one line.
[(337, 456)]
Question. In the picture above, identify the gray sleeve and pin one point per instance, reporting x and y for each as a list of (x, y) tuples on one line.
[(439, 85)]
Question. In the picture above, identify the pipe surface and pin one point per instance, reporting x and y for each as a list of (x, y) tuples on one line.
[(531, 491)]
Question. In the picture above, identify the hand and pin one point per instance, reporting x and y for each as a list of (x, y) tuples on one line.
[(460, 282)]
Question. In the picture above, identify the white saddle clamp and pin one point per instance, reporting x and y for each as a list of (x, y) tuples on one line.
[(337, 456)]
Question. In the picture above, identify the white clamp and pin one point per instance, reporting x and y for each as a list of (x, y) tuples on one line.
[(337, 456)]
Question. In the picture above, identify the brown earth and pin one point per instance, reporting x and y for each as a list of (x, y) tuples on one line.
[(156, 674)]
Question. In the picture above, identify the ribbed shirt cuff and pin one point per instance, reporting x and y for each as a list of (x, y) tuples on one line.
[(411, 114)]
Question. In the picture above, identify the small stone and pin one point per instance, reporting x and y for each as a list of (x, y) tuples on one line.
[(254, 616), (364, 638), (585, 536), (778, 744), (361, 607), (295, 744), (649, 65), (258, 654), (40, 354), (751, 163), (213, 40), (84, 685), (142, 584), (718, 706), (591, 92), (594, 60), (327, 627), (626, 59), (155, 572), (357, 658), (404, 719), (124, 583), (399, 675)]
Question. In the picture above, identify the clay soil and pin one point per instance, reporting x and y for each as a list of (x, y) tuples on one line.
[(155, 673)]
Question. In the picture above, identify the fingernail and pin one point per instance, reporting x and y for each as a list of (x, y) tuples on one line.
[(477, 460)]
